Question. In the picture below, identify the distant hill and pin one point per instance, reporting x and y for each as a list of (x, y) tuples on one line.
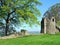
[(34, 32)]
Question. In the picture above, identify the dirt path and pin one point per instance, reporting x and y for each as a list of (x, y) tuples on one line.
[(8, 37)]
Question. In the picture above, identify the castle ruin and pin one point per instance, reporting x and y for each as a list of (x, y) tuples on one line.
[(48, 26)]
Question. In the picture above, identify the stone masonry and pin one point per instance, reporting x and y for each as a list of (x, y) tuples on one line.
[(48, 26)]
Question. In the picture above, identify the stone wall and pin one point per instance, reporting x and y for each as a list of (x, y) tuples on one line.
[(42, 25), (48, 26), (24, 32)]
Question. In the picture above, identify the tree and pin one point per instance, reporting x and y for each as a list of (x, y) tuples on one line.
[(19, 11), (53, 11)]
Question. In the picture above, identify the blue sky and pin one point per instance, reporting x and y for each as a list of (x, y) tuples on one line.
[(46, 4)]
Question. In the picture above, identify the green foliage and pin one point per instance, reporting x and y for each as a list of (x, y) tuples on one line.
[(25, 10), (58, 23), (54, 11)]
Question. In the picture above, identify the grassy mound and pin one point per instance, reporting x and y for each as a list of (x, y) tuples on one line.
[(45, 39)]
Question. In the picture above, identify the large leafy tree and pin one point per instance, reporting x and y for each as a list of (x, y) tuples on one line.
[(54, 11), (19, 11)]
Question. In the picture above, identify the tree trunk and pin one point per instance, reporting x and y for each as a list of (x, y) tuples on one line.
[(7, 23), (7, 28)]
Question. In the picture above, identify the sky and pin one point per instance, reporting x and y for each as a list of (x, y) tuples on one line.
[(46, 4)]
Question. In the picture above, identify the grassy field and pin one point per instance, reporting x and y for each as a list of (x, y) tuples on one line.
[(45, 39)]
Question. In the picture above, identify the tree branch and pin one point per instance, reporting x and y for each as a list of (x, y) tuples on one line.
[(9, 16)]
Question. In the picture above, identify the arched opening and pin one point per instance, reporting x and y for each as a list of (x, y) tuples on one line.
[(53, 20)]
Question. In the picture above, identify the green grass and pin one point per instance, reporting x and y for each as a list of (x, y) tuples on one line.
[(45, 39)]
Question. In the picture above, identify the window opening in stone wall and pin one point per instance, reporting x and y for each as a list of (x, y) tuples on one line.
[(53, 20)]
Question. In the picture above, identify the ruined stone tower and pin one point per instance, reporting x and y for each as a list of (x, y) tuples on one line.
[(43, 25), (48, 26)]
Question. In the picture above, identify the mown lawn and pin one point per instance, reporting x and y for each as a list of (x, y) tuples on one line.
[(45, 39)]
